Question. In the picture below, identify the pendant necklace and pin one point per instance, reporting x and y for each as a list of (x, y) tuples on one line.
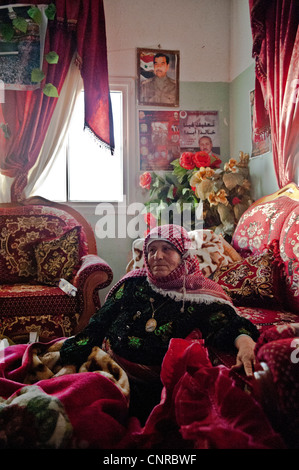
[(151, 324)]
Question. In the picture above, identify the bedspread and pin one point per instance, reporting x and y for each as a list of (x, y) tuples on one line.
[(45, 406), (200, 407)]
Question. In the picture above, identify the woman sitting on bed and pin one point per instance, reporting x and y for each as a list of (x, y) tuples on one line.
[(169, 298)]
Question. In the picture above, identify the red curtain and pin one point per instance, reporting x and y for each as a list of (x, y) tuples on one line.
[(79, 26), (275, 32)]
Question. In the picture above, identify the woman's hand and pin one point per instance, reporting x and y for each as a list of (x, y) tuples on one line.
[(245, 356)]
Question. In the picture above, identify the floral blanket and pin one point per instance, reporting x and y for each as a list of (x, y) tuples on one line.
[(46, 406), (200, 407)]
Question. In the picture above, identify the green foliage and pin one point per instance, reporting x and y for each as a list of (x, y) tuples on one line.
[(37, 75), (52, 57), (35, 14), (50, 90), (7, 31), (19, 24), (169, 193), (50, 11)]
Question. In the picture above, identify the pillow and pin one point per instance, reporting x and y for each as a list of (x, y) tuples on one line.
[(292, 287), (20, 231), (58, 257), (261, 223), (254, 281), (289, 248)]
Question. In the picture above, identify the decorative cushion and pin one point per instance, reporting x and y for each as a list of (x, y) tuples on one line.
[(253, 281), (212, 251), (21, 229), (292, 288), (289, 252), (261, 224), (57, 258)]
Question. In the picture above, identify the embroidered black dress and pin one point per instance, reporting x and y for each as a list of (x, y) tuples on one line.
[(121, 323), (121, 326)]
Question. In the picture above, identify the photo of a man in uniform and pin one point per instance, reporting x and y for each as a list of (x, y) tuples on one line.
[(160, 89)]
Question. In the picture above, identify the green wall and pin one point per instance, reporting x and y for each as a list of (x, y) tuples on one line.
[(262, 172), (209, 96), (232, 102)]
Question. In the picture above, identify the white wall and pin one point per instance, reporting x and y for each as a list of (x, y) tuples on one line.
[(242, 73), (240, 57), (199, 29)]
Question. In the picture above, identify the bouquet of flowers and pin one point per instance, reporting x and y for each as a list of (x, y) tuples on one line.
[(224, 194)]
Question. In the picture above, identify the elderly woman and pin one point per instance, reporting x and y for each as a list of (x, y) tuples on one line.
[(169, 298)]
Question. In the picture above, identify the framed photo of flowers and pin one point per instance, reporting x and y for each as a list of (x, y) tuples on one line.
[(158, 77)]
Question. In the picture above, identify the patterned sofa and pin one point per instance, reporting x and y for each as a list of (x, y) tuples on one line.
[(264, 284), (42, 242)]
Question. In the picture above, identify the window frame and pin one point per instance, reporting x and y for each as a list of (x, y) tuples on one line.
[(127, 86)]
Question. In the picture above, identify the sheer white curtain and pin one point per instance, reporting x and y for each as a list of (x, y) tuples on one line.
[(55, 137), (5, 185)]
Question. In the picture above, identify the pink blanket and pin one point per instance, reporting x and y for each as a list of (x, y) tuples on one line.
[(200, 408), (80, 410)]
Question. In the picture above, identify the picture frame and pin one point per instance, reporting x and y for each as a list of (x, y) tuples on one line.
[(195, 125), (153, 67), (159, 139), (260, 144)]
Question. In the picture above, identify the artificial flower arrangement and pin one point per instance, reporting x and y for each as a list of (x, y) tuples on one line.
[(225, 194)]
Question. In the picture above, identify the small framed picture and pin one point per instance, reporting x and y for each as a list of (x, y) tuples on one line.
[(261, 143), (158, 77)]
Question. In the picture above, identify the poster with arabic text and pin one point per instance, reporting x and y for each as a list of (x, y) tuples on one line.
[(197, 124)]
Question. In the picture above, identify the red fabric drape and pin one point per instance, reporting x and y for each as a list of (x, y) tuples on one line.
[(79, 26), (275, 32)]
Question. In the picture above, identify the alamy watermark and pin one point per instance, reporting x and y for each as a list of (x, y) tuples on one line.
[(123, 221), (295, 353), (2, 92)]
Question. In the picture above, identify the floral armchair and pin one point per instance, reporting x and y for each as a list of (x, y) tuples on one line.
[(42, 242)]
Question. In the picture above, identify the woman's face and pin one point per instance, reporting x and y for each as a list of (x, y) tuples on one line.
[(163, 258)]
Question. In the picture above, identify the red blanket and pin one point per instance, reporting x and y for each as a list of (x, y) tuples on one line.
[(203, 408), (80, 410), (200, 408)]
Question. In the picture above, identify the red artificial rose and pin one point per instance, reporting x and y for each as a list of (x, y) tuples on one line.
[(145, 180), (216, 163), (235, 201), (201, 159), (186, 160), (150, 219)]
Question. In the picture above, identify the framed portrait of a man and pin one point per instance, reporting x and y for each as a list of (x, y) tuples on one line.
[(158, 77)]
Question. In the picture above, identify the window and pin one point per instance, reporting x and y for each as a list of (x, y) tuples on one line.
[(84, 171)]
